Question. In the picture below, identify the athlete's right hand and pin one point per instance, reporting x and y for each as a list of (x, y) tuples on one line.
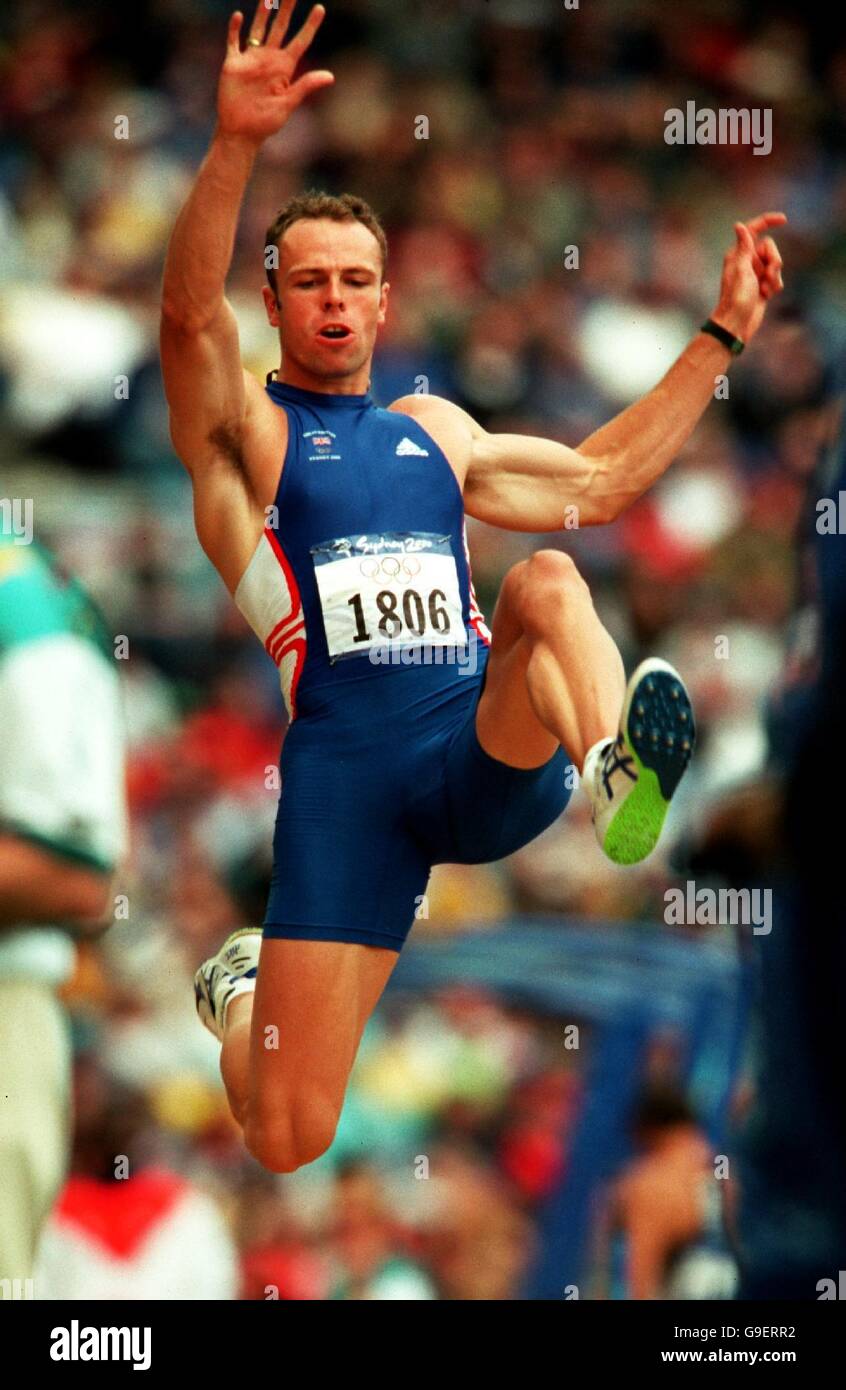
[(256, 94)]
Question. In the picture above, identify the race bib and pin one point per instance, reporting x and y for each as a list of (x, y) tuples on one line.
[(393, 590)]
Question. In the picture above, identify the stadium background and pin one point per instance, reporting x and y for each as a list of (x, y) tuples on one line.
[(545, 132)]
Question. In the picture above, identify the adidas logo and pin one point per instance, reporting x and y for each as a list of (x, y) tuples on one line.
[(408, 446)]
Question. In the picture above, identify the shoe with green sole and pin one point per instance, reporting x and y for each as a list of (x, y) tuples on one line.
[(635, 776)]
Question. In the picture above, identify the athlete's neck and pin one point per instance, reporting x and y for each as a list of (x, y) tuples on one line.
[(288, 375)]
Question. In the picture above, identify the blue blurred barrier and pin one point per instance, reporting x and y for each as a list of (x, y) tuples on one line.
[(629, 983)]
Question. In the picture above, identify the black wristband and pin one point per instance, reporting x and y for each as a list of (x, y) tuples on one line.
[(734, 345)]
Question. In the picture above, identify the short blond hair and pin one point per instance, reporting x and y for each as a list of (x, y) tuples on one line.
[(344, 208)]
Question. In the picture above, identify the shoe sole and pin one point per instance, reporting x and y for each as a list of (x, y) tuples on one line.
[(660, 733)]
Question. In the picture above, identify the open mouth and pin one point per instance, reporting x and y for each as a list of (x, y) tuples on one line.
[(334, 333)]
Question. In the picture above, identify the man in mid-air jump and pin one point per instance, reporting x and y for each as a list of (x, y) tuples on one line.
[(338, 528)]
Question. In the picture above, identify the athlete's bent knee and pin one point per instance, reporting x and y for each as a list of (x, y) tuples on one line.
[(288, 1140), (552, 567), (550, 583)]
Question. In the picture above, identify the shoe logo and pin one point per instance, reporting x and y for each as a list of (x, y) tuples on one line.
[(245, 975), (408, 446), (615, 763)]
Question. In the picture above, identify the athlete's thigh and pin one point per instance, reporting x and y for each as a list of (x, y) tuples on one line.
[(347, 877), (506, 722), (491, 809), (345, 866), (312, 1002)]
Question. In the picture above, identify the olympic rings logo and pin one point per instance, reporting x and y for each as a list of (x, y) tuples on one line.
[(402, 568)]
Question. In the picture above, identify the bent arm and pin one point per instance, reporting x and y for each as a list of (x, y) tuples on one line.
[(521, 483), (640, 443), (524, 484)]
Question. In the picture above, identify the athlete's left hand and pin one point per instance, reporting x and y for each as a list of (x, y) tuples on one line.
[(751, 276)]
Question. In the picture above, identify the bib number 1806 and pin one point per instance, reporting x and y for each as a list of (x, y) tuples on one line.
[(399, 589), (413, 618)]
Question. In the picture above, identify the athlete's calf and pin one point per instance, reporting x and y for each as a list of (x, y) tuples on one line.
[(554, 672), (291, 1037)]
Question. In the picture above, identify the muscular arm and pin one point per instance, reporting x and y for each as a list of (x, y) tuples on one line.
[(201, 245), (214, 403), (526, 484), (208, 391), (205, 384)]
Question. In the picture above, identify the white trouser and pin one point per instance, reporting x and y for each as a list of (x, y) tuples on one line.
[(35, 1112)]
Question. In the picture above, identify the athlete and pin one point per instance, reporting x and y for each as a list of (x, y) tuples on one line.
[(417, 736)]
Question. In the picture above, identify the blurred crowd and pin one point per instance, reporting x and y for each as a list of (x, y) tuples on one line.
[(543, 135), (454, 1131)]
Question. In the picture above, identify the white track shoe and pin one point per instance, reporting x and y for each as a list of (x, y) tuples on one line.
[(224, 976), (631, 779)]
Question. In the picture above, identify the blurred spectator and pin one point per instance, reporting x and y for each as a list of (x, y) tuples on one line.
[(661, 1235), (62, 833), (371, 1261), (125, 1226)]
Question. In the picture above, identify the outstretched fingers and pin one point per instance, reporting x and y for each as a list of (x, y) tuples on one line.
[(310, 82), (298, 45), (233, 33), (275, 35), (279, 27), (764, 220), (259, 23), (746, 245)]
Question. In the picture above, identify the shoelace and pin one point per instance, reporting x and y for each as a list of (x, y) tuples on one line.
[(613, 762)]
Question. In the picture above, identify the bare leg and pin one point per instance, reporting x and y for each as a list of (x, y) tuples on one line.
[(555, 675), (235, 1054), (289, 1046)]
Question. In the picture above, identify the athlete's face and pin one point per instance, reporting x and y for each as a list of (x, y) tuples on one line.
[(329, 275)]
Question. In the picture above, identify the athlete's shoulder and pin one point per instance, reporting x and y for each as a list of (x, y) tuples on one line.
[(451, 428), (429, 409)]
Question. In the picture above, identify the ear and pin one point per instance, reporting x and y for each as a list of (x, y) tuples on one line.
[(383, 302), (272, 308)]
